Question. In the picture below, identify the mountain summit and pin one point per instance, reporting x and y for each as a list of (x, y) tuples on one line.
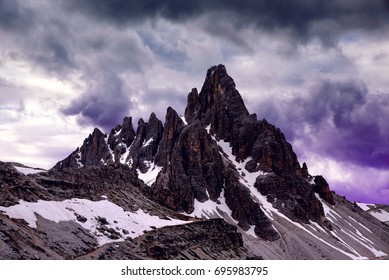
[(217, 161)]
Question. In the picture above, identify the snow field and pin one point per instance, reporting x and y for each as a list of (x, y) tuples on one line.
[(135, 223)]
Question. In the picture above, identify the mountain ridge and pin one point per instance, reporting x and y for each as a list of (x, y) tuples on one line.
[(216, 161), (218, 112)]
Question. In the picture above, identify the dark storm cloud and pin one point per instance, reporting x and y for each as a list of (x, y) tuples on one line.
[(36, 35), (345, 122), (104, 103), (303, 18), (14, 17), (132, 10)]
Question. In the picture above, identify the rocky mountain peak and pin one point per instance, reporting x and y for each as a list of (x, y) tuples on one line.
[(218, 104), (218, 78), (172, 129), (219, 155)]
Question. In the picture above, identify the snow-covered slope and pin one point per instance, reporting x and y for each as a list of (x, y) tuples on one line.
[(103, 219), (381, 212)]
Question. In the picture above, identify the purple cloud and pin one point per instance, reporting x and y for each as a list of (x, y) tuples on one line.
[(340, 120), (104, 103)]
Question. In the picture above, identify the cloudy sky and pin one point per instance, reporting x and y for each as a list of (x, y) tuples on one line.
[(319, 70)]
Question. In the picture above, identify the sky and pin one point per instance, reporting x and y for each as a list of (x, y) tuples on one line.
[(317, 69)]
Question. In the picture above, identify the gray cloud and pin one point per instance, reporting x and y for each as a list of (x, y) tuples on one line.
[(53, 56)]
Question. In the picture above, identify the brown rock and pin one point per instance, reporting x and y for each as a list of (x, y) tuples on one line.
[(322, 188)]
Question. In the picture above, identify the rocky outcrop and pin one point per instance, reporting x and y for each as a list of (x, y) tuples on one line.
[(192, 167), (212, 239), (193, 106), (93, 152), (122, 134), (273, 152), (122, 146), (172, 130), (245, 210), (145, 145), (120, 138), (292, 195), (322, 188), (15, 186)]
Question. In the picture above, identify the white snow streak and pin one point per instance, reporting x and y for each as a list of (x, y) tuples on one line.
[(360, 224), (148, 142), (184, 120)]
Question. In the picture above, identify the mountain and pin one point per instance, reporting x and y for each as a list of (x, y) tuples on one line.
[(213, 183)]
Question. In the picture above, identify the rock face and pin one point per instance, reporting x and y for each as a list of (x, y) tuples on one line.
[(322, 188), (185, 163), (220, 106)]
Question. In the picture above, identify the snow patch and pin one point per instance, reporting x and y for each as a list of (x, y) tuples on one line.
[(28, 170), (366, 206), (317, 226), (128, 224), (376, 252), (211, 209), (150, 176), (380, 214), (208, 128)]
